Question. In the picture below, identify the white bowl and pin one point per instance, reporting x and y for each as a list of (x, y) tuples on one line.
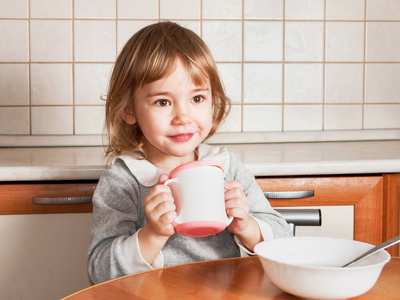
[(309, 267)]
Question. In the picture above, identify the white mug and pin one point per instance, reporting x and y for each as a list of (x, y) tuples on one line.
[(198, 191)]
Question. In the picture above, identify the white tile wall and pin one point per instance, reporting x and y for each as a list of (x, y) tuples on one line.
[(344, 83), (14, 84), (51, 40), (287, 65), (51, 84), (262, 83)]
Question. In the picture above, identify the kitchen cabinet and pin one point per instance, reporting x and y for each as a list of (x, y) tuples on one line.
[(375, 200), (43, 253), (55, 238)]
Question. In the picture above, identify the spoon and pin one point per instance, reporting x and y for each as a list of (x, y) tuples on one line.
[(375, 249)]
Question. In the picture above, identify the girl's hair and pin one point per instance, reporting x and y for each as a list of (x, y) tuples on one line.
[(150, 55)]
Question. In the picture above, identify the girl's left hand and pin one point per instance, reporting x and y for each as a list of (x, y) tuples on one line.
[(236, 206), (243, 226)]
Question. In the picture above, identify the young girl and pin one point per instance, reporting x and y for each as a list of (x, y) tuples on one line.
[(165, 99)]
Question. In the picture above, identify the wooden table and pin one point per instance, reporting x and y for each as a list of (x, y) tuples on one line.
[(235, 278)]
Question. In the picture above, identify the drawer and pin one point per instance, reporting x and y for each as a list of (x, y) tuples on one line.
[(17, 198), (364, 193)]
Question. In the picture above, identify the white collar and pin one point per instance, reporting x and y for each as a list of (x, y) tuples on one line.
[(147, 174)]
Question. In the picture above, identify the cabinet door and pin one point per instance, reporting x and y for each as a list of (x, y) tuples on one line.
[(365, 193)]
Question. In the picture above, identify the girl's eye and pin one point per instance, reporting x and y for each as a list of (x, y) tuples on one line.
[(162, 102), (197, 99)]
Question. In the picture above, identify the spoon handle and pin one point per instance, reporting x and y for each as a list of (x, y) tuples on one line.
[(382, 246)]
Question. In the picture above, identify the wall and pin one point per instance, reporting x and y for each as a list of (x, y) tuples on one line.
[(292, 65)]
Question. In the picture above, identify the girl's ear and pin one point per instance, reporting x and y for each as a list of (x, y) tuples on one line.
[(129, 117)]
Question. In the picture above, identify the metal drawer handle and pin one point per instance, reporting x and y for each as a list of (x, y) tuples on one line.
[(62, 200), (289, 194), (302, 217)]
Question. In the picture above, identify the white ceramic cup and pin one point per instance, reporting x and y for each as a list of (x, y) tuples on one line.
[(198, 191)]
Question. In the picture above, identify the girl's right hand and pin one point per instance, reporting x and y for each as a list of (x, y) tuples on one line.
[(160, 209)]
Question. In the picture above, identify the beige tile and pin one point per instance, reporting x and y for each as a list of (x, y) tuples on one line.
[(222, 9), (303, 83), (180, 9), (138, 9), (304, 9), (194, 26), (89, 119), (342, 117), (233, 123), (302, 117), (383, 10), (262, 118), (345, 41), (51, 84), (224, 38), (125, 30), (263, 41), (14, 120), (14, 84), (95, 41), (382, 83), (14, 9), (383, 41), (381, 116), (15, 32), (345, 9), (231, 75), (262, 83), (51, 9), (343, 83), (51, 40), (52, 120), (95, 9), (91, 83), (263, 9), (304, 41)]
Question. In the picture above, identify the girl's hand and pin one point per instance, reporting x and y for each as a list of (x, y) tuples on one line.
[(236, 206), (243, 226), (160, 209)]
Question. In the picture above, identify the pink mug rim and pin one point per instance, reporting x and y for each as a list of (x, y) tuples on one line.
[(195, 164)]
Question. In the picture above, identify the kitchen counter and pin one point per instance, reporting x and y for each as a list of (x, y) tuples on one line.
[(266, 159)]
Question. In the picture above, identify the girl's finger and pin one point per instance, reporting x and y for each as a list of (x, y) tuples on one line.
[(233, 184), (237, 213), (151, 203)]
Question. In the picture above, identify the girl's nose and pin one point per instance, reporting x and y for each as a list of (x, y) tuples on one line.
[(182, 116)]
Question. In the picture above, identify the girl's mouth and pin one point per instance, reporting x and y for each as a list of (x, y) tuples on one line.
[(182, 137)]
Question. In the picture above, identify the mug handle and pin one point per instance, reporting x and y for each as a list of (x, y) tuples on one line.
[(175, 195)]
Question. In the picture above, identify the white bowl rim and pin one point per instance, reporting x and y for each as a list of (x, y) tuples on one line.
[(334, 269)]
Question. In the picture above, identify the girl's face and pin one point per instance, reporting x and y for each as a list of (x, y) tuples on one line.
[(175, 116)]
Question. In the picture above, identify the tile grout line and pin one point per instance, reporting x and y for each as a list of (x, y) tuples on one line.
[(364, 69), (242, 76), (73, 69), (29, 68), (324, 69), (283, 64)]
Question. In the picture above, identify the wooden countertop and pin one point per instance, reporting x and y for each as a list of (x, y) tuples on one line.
[(235, 278), (264, 159)]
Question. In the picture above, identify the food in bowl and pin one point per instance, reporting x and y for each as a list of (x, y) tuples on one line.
[(309, 267)]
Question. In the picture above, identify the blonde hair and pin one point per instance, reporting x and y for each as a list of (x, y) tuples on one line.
[(148, 56)]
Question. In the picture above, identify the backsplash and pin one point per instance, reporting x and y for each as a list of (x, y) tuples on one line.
[(288, 66)]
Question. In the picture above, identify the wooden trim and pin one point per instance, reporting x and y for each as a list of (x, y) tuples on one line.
[(391, 212), (17, 198)]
